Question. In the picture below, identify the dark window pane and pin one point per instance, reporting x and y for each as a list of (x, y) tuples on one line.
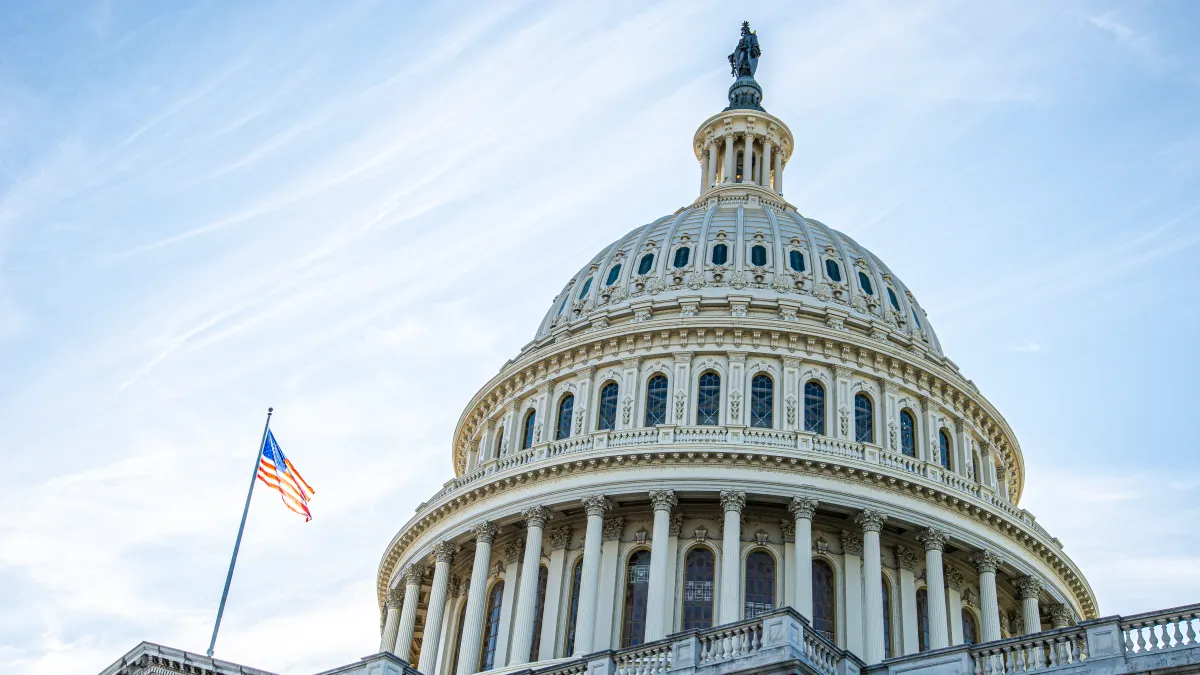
[(656, 401), (970, 635), (530, 423), (573, 612), (814, 408), (587, 286), (865, 282), (491, 628), (681, 256), (758, 256), (760, 584), (565, 408), (646, 263), (543, 577), (922, 620), (462, 620), (944, 446), (833, 270), (892, 299), (908, 434), (864, 427), (796, 261), (720, 254), (698, 588), (564, 304), (708, 404), (914, 313), (762, 402), (612, 276), (637, 586), (887, 619), (608, 407), (824, 618), (500, 442)]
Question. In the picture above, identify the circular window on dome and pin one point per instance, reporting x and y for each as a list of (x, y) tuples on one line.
[(646, 263), (758, 256), (796, 261), (865, 282), (612, 276), (720, 254), (587, 286), (682, 256)]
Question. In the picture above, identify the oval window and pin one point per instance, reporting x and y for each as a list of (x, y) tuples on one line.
[(612, 276), (796, 261), (758, 256), (587, 286), (832, 269), (865, 282), (892, 299), (720, 254), (645, 264), (681, 257)]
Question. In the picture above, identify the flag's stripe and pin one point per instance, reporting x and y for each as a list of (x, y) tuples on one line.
[(274, 483), (289, 480), (282, 477), (292, 470)]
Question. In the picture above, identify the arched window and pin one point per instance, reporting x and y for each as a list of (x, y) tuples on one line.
[(720, 254), (656, 400), (462, 619), (491, 628), (637, 585), (796, 261), (758, 256), (922, 620), (699, 571), (608, 408), (573, 610), (970, 632), (865, 283), (612, 276), (681, 257), (530, 425), (500, 442), (543, 577), (944, 448), (708, 403), (908, 434), (914, 313), (887, 619), (814, 407), (833, 270), (646, 263), (824, 619), (762, 401), (565, 407), (864, 426), (587, 286), (760, 584), (892, 299)]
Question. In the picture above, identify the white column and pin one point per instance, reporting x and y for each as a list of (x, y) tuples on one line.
[(443, 555), (703, 168), (954, 582), (871, 523), (514, 551), (522, 641), (748, 158), (672, 584), (678, 413), (733, 501), (906, 561), (629, 392), (450, 626), (596, 506), (408, 613), (766, 162), (843, 404), (803, 509), (730, 158), (559, 537), (391, 624), (788, 529), (472, 635), (1029, 588), (610, 589), (852, 550), (935, 541), (986, 562), (713, 151), (656, 594), (779, 171)]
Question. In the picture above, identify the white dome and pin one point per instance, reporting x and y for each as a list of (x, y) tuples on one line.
[(838, 280)]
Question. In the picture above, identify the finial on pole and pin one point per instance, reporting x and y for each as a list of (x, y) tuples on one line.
[(745, 93)]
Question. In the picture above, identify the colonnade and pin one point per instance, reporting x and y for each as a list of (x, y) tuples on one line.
[(400, 619), (759, 151)]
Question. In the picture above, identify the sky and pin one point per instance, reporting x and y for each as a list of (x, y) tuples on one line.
[(356, 212)]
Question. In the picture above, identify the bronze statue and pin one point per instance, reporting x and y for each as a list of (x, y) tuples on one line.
[(744, 59)]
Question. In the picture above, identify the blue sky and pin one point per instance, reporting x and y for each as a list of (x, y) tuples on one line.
[(356, 212)]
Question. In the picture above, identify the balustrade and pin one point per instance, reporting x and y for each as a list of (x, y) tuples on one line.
[(730, 642), (649, 659), (1160, 631), (621, 439)]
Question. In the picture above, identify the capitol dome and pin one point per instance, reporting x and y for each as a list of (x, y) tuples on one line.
[(731, 416)]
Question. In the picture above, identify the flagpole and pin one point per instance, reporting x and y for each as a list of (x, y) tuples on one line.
[(238, 542)]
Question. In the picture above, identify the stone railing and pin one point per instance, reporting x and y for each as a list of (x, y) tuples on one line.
[(779, 641), (1161, 631)]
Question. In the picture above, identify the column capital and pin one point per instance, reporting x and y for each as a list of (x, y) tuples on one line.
[(455, 586), (803, 507), (536, 516), (413, 574), (445, 551), (870, 520), (906, 558), (733, 500), (788, 529), (1028, 587), (395, 597), (985, 561), (954, 578), (484, 533), (631, 362), (663, 500), (597, 505), (612, 529), (1060, 615), (560, 537), (933, 539), (852, 543), (683, 357), (737, 356), (676, 525), (514, 551)]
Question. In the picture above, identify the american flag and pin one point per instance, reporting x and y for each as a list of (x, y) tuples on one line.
[(277, 471)]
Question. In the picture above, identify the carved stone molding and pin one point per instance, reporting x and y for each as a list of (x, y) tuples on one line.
[(954, 578), (906, 558), (733, 500), (514, 551), (1028, 587), (413, 575), (445, 552), (788, 528), (852, 543), (934, 540), (1061, 615), (676, 524), (560, 537), (597, 505), (485, 533), (663, 500), (870, 520), (536, 516), (985, 561), (803, 507), (612, 529), (395, 597)]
